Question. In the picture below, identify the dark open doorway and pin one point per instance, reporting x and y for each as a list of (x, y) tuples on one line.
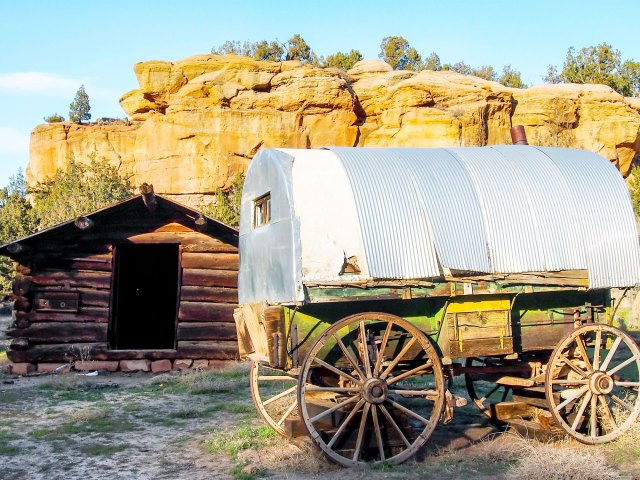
[(145, 297)]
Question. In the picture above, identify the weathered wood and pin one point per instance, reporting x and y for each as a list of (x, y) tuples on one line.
[(62, 332), (59, 353), (209, 278), (21, 323), (207, 331), (56, 301), (89, 297), (72, 279), (74, 265), (21, 304), (217, 261), (21, 285), (219, 349), (86, 314), (24, 269), (19, 344), (209, 294), (149, 197), (205, 312)]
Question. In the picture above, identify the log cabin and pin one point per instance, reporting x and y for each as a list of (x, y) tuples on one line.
[(143, 284)]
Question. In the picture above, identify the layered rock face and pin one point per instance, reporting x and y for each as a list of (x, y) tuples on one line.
[(196, 123)]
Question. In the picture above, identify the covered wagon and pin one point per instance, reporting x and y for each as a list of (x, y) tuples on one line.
[(370, 277)]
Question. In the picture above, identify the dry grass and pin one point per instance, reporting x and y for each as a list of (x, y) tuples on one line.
[(296, 456), (201, 381), (86, 415)]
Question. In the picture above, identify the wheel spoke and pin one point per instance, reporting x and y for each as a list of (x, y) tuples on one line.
[(345, 422), (363, 424), (580, 381), (337, 371), (276, 378), (627, 384), (288, 391), (364, 351), (288, 412), (578, 394), (583, 352), (333, 389), (329, 411), (593, 424), (491, 392), (607, 411), (394, 425), (596, 352), (622, 365), (352, 361), (580, 413), (572, 365), (611, 353), (376, 429), (409, 373), (396, 360), (621, 403), (383, 347), (411, 413)]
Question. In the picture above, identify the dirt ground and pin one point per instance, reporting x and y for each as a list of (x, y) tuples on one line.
[(203, 425), (124, 426)]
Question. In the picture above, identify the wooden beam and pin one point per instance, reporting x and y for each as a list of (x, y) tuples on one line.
[(84, 223), (209, 278), (206, 312), (212, 261), (61, 332), (22, 285), (149, 197), (207, 331), (209, 294), (20, 344)]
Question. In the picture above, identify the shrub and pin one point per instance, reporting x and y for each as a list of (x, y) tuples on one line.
[(54, 118)]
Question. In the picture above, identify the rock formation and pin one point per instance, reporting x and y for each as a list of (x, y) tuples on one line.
[(195, 123)]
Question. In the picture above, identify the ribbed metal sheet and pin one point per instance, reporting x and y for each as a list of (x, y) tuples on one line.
[(396, 234), (503, 209), (604, 217)]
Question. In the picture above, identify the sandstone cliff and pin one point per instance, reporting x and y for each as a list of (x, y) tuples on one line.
[(195, 123)]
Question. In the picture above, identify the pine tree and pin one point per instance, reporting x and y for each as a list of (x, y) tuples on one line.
[(79, 108)]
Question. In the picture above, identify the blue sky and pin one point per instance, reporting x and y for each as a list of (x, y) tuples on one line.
[(50, 48)]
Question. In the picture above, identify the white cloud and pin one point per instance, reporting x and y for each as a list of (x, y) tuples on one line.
[(39, 83), (14, 142)]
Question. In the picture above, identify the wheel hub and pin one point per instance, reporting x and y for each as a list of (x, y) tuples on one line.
[(375, 390), (601, 384)]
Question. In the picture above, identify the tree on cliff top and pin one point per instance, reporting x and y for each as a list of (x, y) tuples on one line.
[(79, 108), (397, 53), (343, 61)]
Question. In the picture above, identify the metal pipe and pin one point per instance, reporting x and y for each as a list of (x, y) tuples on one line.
[(518, 135)]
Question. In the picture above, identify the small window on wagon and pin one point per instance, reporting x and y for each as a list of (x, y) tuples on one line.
[(262, 210)]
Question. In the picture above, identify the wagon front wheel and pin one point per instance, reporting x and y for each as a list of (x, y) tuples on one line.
[(274, 395), (592, 383), (371, 390)]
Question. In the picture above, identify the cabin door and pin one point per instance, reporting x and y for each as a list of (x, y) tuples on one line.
[(145, 297)]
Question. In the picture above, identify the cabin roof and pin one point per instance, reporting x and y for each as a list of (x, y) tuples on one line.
[(213, 225)]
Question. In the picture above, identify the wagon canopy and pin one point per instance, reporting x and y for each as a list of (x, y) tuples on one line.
[(418, 213)]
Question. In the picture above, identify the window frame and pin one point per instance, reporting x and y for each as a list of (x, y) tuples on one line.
[(262, 210)]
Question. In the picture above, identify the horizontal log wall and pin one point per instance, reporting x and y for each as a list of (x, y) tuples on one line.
[(82, 262)]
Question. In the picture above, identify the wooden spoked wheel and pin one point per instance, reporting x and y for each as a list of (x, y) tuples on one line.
[(371, 390), (592, 383), (274, 394), (483, 389)]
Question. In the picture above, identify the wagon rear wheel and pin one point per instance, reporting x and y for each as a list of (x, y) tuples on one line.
[(592, 383), (483, 389), (371, 390), (274, 394)]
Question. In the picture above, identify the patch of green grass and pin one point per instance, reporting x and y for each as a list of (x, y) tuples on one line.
[(45, 434), (101, 450), (100, 425), (233, 441), (6, 436), (238, 473), (161, 420)]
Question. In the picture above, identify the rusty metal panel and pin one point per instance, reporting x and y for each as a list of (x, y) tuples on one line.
[(604, 216)]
